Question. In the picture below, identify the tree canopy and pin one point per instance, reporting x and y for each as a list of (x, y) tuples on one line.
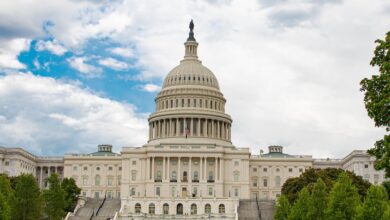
[(377, 101), (54, 198)]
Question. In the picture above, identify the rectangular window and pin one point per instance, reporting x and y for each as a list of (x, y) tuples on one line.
[(210, 191), (157, 191), (290, 170), (255, 169), (236, 192), (265, 169), (365, 165), (119, 168), (110, 168), (265, 182), (74, 168), (134, 162), (109, 181), (300, 170), (173, 191), (85, 168)]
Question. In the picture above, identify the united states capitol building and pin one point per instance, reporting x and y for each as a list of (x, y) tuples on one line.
[(189, 166)]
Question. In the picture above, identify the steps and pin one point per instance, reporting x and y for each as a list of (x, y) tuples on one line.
[(248, 209)]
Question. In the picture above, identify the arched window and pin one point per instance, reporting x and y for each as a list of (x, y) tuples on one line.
[(137, 208), (236, 175), (193, 209), (152, 208), (179, 209), (277, 181), (165, 209), (221, 209), (207, 209), (97, 180), (85, 180)]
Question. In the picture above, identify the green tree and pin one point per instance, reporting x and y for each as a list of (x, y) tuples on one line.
[(386, 215), (293, 186), (6, 195), (282, 208), (377, 98), (54, 198), (386, 184), (71, 193), (375, 204), (300, 209), (27, 202), (343, 200), (318, 201)]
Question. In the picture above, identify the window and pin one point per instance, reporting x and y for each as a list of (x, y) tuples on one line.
[(193, 209), (290, 170), (137, 208), (235, 163), (97, 180), (7, 163), (109, 181), (207, 208), (119, 168), (85, 168), (179, 209), (152, 208), (173, 191), (265, 169), (277, 170), (265, 182), (132, 192), (236, 175), (300, 170), (74, 168), (221, 209), (196, 175), (211, 175), (133, 175), (85, 180), (210, 191), (277, 181), (110, 168), (254, 169), (254, 182), (165, 209), (157, 191), (195, 191), (97, 168), (174, 175), (236, 192), (134, 162), (365, 165), (158, 175)]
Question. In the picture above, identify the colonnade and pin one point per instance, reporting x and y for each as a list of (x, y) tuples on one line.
[(193, 127), (41, 176), (180, 165)]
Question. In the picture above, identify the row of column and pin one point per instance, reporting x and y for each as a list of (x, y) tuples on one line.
[(41, 175), (201, 168), (200, 127)]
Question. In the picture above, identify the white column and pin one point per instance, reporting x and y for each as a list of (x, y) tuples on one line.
[(189, 169), (163, 173), (179, 171), (170, 127), (168, 172), (220, 168), (205, 168), (198, 132), (192, 127), (206, 127), (177, 127), (201, 168), (216, 169), (40, 177), (153, 159), (148, 168)]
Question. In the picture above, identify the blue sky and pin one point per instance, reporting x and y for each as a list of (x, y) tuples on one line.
[(75, 74)]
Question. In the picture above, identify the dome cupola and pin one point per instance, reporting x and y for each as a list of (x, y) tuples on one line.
[(190, 104)]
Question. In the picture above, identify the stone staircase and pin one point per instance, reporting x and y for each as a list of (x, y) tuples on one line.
[(108, 209), (250, 209), (86, 211)]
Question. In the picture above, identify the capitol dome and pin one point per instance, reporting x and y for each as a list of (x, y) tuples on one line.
[(190, 106)]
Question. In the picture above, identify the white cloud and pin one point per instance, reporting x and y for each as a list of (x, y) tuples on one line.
[(293, 66), (151, 87), (113, 63), (52, 46), (9, 51), (79, 64), (126, 52), (47, 116)]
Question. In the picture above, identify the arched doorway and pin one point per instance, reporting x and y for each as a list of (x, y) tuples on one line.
[(179, 209)]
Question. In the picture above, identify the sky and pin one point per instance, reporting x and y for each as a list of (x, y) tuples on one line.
[(78, 73)]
